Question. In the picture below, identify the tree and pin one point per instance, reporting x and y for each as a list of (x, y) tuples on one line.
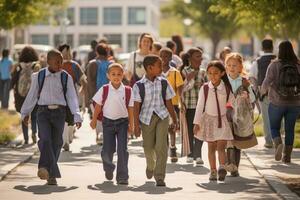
[(210, 23), (23, 12)]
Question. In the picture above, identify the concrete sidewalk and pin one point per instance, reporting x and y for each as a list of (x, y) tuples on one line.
[(274, 171)]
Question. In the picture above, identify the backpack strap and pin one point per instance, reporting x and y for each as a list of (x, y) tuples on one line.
[(205, 90), (127, 95), (105, 94), (41, 80), (64, 82), (75, 71), (134, 58), (164, 85), (141, 87), (227, 93)]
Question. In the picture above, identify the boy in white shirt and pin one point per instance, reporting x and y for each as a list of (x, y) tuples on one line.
[(115, 102)]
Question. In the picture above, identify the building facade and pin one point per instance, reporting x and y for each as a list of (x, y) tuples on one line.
[(120, 21)]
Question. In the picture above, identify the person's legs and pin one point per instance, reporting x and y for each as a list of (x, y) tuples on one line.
[(5, 97), (66, 144), (190, 114), (25, 132), (172, 133), (34, 124), (212, 147), (266, 123), (221, 145)]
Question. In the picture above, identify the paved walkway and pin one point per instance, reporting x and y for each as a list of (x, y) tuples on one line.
[(83, 177)]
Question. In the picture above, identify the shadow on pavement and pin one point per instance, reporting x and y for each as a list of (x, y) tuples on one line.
[(109, 187), (172, 168), (150, 188), (44, 189)]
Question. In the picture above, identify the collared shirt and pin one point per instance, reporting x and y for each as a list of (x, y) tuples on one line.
[(5, 68), (175, 79), (191, 95), (115, 104), (153, 101), (254, 68), (236, 83), (51, 94), (211, 102)]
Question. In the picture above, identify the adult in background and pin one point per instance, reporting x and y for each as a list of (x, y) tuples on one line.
[(224, 53), (21, 82), (134, 67), (283, 85), (179, 44), (176, 60), (257, 75), (5, 78)]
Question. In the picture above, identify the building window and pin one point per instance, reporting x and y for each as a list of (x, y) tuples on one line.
[(58, 40), (136, 15), (114, 39), (71, 16), (85, 39), (88, 16), (112, 15), (132, 42), (40, 39)]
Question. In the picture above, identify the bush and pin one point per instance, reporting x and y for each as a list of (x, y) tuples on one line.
[(9, 126)]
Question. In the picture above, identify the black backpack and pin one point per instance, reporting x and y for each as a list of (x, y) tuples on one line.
[(289, 81)]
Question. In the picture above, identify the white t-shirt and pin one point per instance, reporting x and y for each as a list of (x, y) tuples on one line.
[(115, 104), (139, 68)]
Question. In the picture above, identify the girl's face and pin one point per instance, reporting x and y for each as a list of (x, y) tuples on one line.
[(234, 67), (196, 59), (146, 44), (215, 74)]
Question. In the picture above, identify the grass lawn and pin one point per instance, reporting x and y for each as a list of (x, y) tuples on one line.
[(258, 129), (9, 125)]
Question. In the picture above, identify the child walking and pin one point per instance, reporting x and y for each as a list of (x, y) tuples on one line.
[(52, 95), (175, 79), (152, 106), (210, 122), (114, 100), (240, 87)]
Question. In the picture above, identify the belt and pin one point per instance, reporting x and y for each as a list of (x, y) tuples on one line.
[(51, 107)]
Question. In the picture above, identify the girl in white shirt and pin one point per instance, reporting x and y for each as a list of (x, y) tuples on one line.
[(210, 122)]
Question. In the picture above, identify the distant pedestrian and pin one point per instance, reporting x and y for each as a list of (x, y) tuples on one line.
[(52, 90), (74, 58), (152, 107), (156, 47), (115, 101), (21, 82), (210, 123), (6, 66), (282, 83), (176, 60), (179, 44)]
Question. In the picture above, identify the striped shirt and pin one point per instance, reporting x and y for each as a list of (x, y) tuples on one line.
[(51, 94), (153, 101)]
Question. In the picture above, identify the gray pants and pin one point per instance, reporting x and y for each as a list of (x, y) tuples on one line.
[(264, 105)]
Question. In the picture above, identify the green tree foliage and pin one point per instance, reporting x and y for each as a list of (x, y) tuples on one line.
[(23, 12), (211, 23)]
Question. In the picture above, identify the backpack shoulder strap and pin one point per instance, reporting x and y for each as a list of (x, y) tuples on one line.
[(205, 90), (75, 71), (64, 82), (127, 95), (41, 80), (227, 93), (134, 58), (141, 87), (164, 85), (105, 94)]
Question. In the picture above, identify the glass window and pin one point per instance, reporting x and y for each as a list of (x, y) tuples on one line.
[(114, 38), (137, 15), (112, 15), (85, 39), (132, 42), (58, 40), (88, 16), (40, 39)]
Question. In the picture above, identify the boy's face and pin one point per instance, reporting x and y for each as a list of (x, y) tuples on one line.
[(115, 75), (166, 57), (156, 68), (55, 62)]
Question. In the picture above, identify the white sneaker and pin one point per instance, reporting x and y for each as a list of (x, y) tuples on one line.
[(189, 160), (199, 161)]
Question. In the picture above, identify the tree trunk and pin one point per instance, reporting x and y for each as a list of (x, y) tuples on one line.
[(215, 41)]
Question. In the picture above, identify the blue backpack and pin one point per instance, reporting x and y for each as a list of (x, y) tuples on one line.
[(101, 79)]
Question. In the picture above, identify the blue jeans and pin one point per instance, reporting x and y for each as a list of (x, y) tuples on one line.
[(33, 125), (51, 126), (4, 93), (289, 114), (115, 131)]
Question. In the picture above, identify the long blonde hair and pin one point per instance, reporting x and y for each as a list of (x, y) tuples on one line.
[(239, 58)]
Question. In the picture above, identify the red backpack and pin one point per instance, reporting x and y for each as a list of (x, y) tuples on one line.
[(105, 95)]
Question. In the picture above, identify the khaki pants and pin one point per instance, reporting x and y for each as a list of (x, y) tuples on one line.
[(155, 143)]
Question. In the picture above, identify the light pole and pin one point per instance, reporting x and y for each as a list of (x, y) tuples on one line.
[(187, 23), (64, 22)]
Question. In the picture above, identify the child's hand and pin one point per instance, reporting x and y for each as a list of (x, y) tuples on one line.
[(191, 75), (78, 125), (196, 129), (137, 131), (130, 130), (245, 94), (26, 120), (93, 124)]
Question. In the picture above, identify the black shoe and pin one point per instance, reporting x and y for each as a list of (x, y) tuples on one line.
[(173, 155), (109, 175), (235, 174), (222, 174), (149, 174), (66, 147), (122, 182), (43, 173), (160, 183), (52, 181)]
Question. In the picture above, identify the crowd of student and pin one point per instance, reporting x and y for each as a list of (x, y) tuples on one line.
[(160, 92)]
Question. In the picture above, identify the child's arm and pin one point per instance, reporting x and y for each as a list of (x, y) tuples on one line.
[(97, 110), (136, 111), (171, 110), (131, 119)]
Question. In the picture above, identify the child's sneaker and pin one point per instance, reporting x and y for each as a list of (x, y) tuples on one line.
[(43, 173), (222, 173), (173, 155), (213, 175), (231, 167), (199, 161), (189, 160), (235, 173)]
